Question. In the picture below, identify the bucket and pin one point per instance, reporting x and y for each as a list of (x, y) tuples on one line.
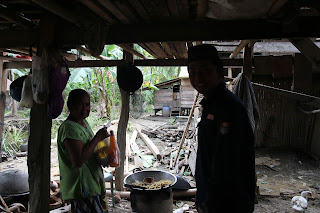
[(166, 111)]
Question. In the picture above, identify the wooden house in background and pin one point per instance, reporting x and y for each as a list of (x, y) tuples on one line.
[(177, 93)]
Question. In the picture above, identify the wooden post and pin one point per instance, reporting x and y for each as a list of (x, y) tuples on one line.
[(3, 75), (40, 134), (39, 159), (14, 103), (122, 129), (302, 74), (187, 128), (247, 61)]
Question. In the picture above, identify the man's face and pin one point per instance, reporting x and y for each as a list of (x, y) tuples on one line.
[(203, 76)]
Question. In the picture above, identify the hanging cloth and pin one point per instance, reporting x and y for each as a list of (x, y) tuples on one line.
[(243, 89)]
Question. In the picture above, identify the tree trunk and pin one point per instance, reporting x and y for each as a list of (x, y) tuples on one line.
[(121, 137)]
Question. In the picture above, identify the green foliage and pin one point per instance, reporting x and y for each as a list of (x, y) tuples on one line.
[(13, 138)]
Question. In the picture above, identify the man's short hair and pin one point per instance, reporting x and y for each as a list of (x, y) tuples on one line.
[(205, 52)]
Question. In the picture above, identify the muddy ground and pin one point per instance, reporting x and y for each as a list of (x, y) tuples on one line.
[(279, 172)]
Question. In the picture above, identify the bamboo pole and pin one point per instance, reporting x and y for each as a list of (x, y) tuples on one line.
[(187, 128)]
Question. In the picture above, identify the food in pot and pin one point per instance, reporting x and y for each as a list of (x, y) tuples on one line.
[(156, 185)]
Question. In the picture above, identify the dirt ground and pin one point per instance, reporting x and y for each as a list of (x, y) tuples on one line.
[(279, 172)]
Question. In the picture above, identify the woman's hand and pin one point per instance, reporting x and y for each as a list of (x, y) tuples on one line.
[(102, 133), (78, 152)]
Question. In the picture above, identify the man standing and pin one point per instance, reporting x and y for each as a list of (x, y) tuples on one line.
[(225, 168)]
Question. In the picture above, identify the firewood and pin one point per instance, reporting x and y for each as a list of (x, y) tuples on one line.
[(150, 144)]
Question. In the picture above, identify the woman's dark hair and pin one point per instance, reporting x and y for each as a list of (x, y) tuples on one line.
[(75, 96)]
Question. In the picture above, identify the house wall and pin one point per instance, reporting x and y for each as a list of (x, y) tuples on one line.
[(187, 93), (165, 97)]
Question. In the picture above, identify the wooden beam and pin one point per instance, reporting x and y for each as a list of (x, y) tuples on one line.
[(86, 51), (187, 128), (237, 50), (153, 148), (131, 50), (59, 10), (114, 10), (113, 63), (40, 130), (187, 31), (97, 9), (15, 18), (308, 49)]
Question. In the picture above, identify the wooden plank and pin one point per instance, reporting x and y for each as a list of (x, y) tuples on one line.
[(187, 128), (128, 11), (158, 49), (136, 4), (183, 49), (133, 143), (131, 50), (59, 10), (173, 49), (15, 17), (128, 152), (177, 47), (277, 66), (151, 7), (167, 49), (99, 11), (153, 148), (150, 51), (162, 8), (183, 6), (114, 10), (302, 74), (308, 49), (173, 8)]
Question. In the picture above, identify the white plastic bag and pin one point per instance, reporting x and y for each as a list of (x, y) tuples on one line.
[(26, 94)]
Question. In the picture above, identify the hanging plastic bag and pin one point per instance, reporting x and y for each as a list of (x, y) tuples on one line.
[(114, 153), (26, 94), (58, 82)]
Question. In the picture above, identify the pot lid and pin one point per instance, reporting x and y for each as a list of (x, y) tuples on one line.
[(14, 182)]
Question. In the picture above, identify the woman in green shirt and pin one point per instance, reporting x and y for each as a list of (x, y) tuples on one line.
[(81, 177)]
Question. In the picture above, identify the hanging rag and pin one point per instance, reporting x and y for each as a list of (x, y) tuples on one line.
[(243, 89)]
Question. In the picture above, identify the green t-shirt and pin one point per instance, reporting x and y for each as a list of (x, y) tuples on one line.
[(78, 182)]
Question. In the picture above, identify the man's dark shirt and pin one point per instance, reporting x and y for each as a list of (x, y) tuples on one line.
[(225, 168)]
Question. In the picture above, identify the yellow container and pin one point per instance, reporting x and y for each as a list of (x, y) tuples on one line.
[(102, 149)]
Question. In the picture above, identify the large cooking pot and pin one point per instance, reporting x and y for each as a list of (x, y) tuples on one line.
[(14, 183), (156, 175)]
